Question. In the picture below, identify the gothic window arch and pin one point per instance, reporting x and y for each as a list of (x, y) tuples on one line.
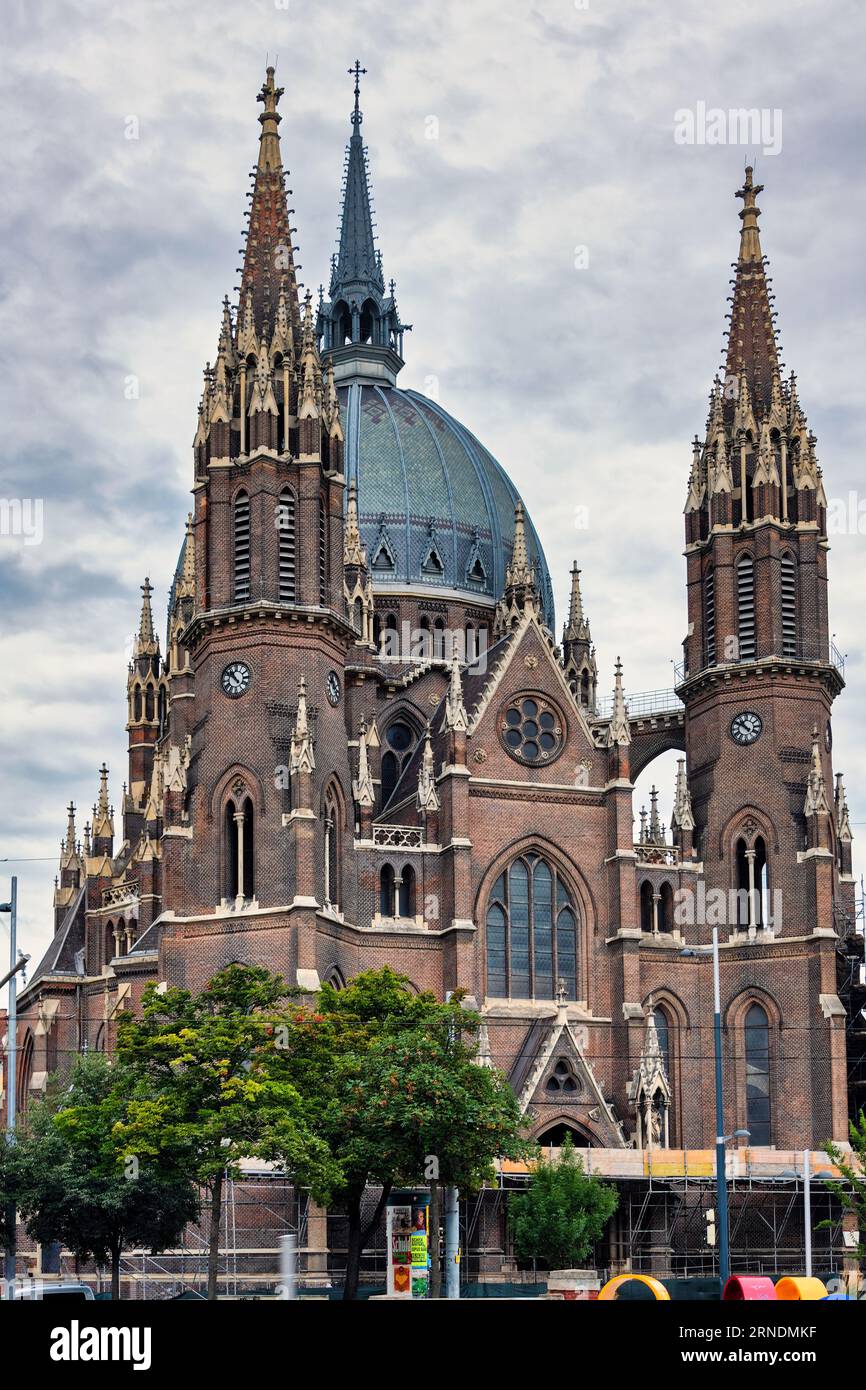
[(751, 869), (531, 928), (406, 892), (287, 546), (398, 744), (25, 1071), (666, 908), (239, 847), (332, 858), (387, 891), (647, 906), (756, 1040), (790, 624), (241, 546), (746, 608)]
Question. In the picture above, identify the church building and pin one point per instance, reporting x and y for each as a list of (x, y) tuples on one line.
[(361, 740)]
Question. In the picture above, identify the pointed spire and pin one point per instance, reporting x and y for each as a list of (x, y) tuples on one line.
[(360, 313), (353, 551), (455, 711), (302, 758), (428, 797), (618, 730), (683, 816), (816, 788), (654, 832), (186, 581), (364, 791), (519, 571), (268, 256), (146, 642), (356, 259), (753, 351), (103, 820), (577, 627), (843, 822)]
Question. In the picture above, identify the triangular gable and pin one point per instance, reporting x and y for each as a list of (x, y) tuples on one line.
[(529, 633), (562, 1041)]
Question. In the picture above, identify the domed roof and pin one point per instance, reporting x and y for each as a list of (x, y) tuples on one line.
[(436, 510)]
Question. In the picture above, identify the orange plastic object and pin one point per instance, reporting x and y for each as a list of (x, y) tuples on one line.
[(609, 1292), (800, 1286), (749, 1288)]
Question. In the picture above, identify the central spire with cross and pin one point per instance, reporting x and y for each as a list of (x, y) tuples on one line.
[(359, 312)]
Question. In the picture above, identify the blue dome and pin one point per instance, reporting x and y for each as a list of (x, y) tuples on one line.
[(436, 509)]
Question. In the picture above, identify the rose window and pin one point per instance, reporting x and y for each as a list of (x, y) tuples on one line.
[(532, 730)]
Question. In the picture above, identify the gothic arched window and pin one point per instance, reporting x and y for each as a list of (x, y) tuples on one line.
[(332, 850), (241, 538), (746, 607), (756, 1028), (647, 906), (531, 933), (286, 546), (399, 743), (789, 605), (386, 891), (406, 896), (239, 870)]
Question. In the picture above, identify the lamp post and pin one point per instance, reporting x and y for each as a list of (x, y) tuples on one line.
[(16, 964)]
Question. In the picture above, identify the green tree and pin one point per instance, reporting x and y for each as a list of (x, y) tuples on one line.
[(562, 1215), (214, 1081), (7, 1195), (76, 1180), (389, 1081), (851, 1192)]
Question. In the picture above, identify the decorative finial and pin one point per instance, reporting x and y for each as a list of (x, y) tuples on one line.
[(357, 72), (750, 244)]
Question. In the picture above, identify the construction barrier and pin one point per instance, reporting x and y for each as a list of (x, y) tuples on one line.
[(749, 1288), (610, 1291), (804, 1286)]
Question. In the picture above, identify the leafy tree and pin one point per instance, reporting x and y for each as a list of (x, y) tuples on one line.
[(214, 1082), (852, 1191), (562, 1215), (76, 1180), (389, 1081), (7, 1195)]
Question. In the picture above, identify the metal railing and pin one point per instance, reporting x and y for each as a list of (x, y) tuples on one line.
[(835, 659), (644, 702)]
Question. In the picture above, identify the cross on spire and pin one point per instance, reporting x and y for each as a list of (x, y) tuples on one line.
[(357, 72)]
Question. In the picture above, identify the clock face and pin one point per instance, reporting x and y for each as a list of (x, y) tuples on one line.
[(333, 688), (746, 727), (236, 679)]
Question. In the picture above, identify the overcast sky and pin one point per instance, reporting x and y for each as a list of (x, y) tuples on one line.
[(503, 138)]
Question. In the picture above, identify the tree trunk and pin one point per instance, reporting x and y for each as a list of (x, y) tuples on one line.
[(353, 1252), (435, 1266), (213, 1254), (115, 1272), (359, 1236)]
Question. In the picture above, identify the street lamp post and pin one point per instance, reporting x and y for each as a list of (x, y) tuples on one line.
[(15, 965), (721, 1172)]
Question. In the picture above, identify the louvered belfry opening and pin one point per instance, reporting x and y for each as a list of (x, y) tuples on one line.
[(710, 618), (746, 607), (287, 547), (789, 606), (242, 548)]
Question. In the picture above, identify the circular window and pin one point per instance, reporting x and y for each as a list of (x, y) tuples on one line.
[(532, 730)]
